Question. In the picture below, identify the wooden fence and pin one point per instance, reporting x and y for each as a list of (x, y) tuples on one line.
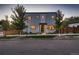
[(63, 30), (12, 32), (70, 30)]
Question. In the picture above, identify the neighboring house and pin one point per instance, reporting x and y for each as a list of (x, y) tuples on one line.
[(40, 22), (73, 25), (71, 28)]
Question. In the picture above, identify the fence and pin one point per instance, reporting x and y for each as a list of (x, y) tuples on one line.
[(62, 31), (12, 32), (70, 30)]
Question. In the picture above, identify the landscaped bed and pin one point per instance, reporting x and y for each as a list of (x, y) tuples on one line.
[(41, 36), (6, 38)]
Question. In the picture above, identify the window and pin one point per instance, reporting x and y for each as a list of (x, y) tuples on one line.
[(53, 17), (37, 17), (50, 27), (42, 17), (33, 27), (29, 17)]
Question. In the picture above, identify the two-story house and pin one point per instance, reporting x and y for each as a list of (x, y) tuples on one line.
[(40, 22)]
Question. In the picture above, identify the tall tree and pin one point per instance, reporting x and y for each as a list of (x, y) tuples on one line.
[(73, 20), (19, 16), (59, 21)]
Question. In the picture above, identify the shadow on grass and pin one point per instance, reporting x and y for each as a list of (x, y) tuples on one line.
[(42, 37), (6, 38)]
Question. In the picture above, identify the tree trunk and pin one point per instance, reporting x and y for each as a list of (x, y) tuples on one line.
[(20, 32), (59, 33)]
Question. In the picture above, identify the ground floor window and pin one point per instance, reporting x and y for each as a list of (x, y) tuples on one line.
[(33, 28), (50, 27)]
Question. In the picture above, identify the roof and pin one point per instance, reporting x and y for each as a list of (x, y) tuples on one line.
[(40, 12), (75, 25)]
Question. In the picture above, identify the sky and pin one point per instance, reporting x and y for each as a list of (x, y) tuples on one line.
[(67, 9)]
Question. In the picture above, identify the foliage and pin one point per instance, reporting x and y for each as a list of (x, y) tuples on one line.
[(59, 20), (5, 24), (65, 23), (72, 20), (19, 16)]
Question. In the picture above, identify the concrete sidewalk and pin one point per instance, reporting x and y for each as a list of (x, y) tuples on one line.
[(28, 35)]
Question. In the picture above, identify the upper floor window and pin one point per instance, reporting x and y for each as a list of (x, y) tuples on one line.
[(52, 17), (29, 17), (37, 17), (42, 17)]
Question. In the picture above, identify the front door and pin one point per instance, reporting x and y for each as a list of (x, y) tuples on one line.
[(42, 27)]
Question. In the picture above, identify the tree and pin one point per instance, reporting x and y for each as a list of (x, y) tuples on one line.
[(59, 21), (19, 17), (73, 20), (65, 23), (4, 24)]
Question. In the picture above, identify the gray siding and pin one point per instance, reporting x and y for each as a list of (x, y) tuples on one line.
[(36, 20)]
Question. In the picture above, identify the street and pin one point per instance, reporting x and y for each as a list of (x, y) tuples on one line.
[(39, 47)]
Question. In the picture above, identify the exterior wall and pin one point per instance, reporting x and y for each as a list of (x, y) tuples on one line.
[(37, 18)]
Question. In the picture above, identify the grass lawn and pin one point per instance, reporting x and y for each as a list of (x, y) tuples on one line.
[(39, 37), (6, 38)]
